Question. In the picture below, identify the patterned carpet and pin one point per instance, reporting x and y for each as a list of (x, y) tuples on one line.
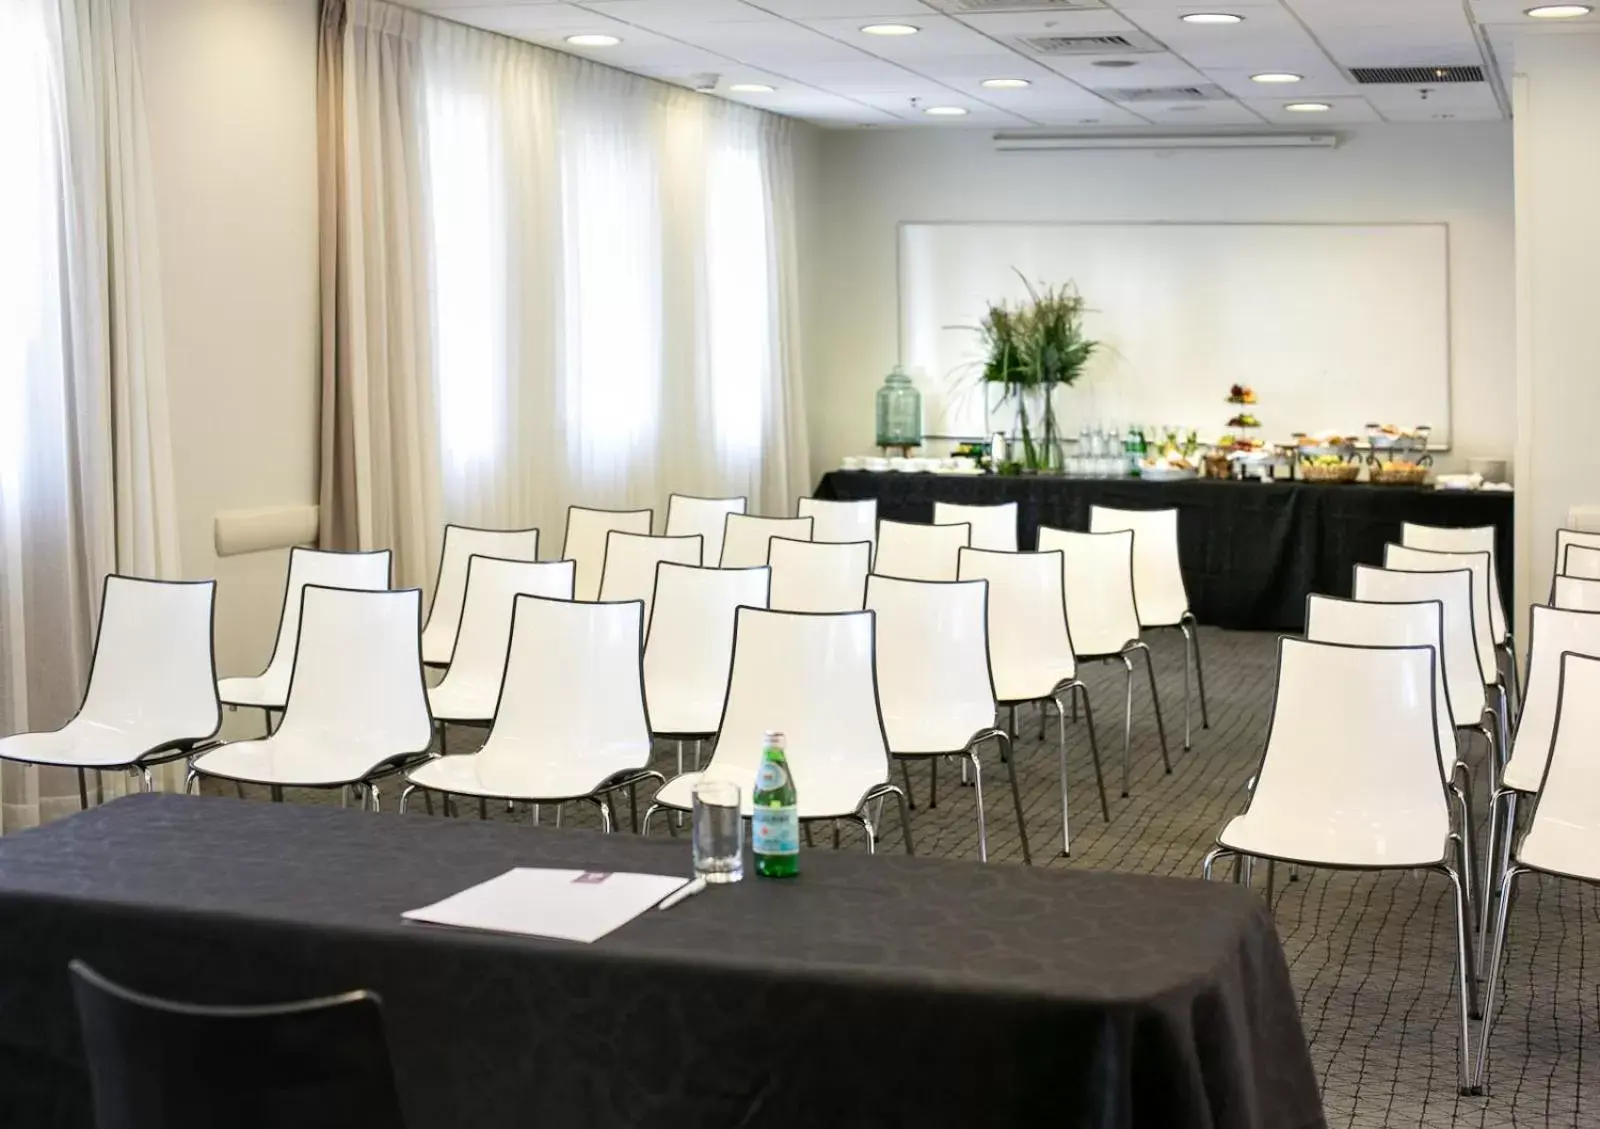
[(1372, 956)]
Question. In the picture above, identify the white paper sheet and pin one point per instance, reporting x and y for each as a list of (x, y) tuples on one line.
[(571, 905)]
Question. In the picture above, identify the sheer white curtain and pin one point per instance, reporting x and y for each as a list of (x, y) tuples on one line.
[(85, 473), (609, 279)]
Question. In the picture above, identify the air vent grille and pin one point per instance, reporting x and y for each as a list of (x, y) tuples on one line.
[(1414, 76), (1124, 44), (1203, 92), (1019, 5)]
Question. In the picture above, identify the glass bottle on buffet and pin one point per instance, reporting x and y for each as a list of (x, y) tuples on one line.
[(899, 413), (1137, 445)]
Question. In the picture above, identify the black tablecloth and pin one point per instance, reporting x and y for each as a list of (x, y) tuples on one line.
[(870, 992), (1252, 552)]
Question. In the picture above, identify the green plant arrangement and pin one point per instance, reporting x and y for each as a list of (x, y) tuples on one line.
[(1032, 349)]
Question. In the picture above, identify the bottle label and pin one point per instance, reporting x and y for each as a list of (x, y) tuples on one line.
[(775, 831), (770, 777)]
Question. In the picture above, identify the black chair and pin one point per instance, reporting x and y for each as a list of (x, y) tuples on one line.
[(156, 1064)]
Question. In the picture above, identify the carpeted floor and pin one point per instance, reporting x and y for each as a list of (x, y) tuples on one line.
[(1372, 955)]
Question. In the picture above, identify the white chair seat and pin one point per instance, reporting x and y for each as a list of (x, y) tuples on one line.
[(461, 700), (86, 744), (262, 691), (293, 759), (546, 774), (1565, 848), (1347, 840), (823, 802)]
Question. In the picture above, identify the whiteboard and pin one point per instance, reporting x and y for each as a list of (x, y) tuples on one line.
[(1334, 325)]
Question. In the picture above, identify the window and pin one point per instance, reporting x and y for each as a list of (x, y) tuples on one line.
[(740, 301)]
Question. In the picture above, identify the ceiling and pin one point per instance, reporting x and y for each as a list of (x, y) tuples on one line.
[(824, 69)]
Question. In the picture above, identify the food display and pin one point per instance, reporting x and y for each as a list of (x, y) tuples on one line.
[(1244, 419), (1241, 394), (1172, 461), (1399, 454), (1328, 468)]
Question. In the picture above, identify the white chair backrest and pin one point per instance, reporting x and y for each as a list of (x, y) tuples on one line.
[(1462, 672), (461, 542), (811, 678), (1030, 648), (1569, 791), (1098, 578), (1361, 623), (1575, 593), (1552, 632), (841, 521), (358, 672), (1353, 730), (492, 588), (1426, 560), (689, 647), (629, 572), (1566, 537), (688, 515), (1581, 561), (910, 551), (746, 539), (154, 669), (817, 576), (994, 526), (1157, 575), (573, 682), (1466, 539), (585, 542), (933, 660), (368, 571)]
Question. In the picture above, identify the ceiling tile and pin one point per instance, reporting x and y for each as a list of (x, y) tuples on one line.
[(939, 35), (1345, 111), (668, 15), (867, 11)]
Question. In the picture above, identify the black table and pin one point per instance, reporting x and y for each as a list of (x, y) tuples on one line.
[(870, 992), (1252, 552)]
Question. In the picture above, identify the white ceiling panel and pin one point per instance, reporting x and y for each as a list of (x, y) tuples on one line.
[(937, 35), (1148, 70), (866, 11), (1011, 25), (1344, 111)]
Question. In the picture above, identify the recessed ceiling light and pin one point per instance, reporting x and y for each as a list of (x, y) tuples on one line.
[(890, 29), (1559, 11), (1307, 107), (1275, 76), (1183, 109), (1005, 83), (593, 40), (751, 88), (1115, 64), (946, 111), (1212, 18)]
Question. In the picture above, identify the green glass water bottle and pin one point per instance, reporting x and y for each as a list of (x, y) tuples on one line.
[(774, 814)]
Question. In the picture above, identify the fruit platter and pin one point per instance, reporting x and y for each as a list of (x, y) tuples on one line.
[(1172, 462)]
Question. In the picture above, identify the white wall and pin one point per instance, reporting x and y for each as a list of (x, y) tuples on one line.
[(230, 87), (873, 180)]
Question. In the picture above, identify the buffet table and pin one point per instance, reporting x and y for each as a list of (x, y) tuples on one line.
[(1251, 551)]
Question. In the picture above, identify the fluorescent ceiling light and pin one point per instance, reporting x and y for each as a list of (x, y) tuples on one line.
[(1307, 107), (751, 88), (1559, 11), (1212, 18), (945, 111), (1275, 76), (890, 29), (587, 40), (1006, 83)]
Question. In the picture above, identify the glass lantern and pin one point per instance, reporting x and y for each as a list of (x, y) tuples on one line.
[(899, 413)]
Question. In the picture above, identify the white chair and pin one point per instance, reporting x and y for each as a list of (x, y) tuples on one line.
[(152, 693), (1581, 561), (1350, 778), (811, 678), (460, 543), (629, 571), (688, 515), (994, 526), (934, 683), (470, 688), (1158, 588), (689, 649), (1030, 649), (1552, 632), (910, 551), (1566, 537), (746, 539), (1101, 615), (585, 542), (269, 690), (841, 521), (1576, 594), (571, 722), (1472, 539), (357, 707), (1563, 837), (817, 576)]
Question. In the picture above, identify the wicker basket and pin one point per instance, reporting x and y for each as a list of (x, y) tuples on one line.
[(1344, 472), (1408, 475)]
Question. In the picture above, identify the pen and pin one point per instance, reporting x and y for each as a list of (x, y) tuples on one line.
[(687, 890)]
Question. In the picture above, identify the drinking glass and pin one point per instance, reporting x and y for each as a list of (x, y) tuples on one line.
[(717, 831)]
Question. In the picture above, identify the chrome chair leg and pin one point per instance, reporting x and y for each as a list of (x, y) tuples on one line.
[(1016, 795), (933, 783), (905, 774), (605, 813), (1188, 664), (1080, 690), (405, 797), (1155, 703), (83, 790), (977, 784), (146, 782), (1466, 979), (1492, 978), (373, 795), (189, 780), (1272, 877), (1066, 818), (1497, 852), (1127, 723), (644, 824), (1210, 861), (483, 807), (1191, 631)]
